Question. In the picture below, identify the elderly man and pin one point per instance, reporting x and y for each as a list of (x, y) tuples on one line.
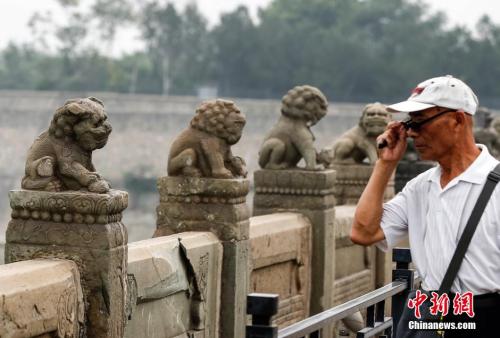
[(433, 208)]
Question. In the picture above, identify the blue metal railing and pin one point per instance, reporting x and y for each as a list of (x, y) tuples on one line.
[(373, 302)]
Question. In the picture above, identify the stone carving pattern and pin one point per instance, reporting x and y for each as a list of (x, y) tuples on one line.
[(202, 275), (293, 183), (204, 149), (291, 138), (69, 207), (70, 313)]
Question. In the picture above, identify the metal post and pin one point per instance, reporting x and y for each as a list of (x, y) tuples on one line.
[(402, 257), (262, 306)]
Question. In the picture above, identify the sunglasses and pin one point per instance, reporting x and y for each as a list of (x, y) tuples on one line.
[(417, 125)]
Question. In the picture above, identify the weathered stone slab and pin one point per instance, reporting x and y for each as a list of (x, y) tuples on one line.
[(235, 279), (228, 221), (203, 190), (295, 182), (281, 258), (40, 297), (99, 250), (178, 286), (352, 180), (353, 286), (358, 257)]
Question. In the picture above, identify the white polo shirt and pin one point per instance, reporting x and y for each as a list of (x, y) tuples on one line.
[(434, 220)]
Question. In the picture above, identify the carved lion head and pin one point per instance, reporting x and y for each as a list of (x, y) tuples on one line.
[(82, 120), (220, 118), (304, 103), (374, 119)]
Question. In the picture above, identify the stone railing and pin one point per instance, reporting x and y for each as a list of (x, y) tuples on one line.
[(193, 278)]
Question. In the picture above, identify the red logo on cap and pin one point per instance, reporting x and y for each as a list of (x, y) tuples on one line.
[(417, 90)]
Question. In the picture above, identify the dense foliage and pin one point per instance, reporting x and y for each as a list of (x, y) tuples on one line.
[(354, 50)]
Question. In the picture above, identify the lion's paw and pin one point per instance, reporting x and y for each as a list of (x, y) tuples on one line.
[(223, 173), (100, 187)]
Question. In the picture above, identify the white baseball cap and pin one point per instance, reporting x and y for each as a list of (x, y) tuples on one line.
[(444, 91)]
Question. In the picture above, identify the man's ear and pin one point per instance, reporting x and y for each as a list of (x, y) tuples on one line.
[(464, 119)]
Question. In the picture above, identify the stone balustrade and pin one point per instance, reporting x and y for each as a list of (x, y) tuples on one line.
[(174, 282), (72, 273)]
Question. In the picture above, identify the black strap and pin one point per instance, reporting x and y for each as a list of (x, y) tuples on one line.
[(470, 228)]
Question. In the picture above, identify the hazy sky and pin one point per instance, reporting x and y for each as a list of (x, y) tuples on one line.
[(15, 14)]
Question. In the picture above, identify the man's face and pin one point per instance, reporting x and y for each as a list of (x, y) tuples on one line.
[(434, 139)]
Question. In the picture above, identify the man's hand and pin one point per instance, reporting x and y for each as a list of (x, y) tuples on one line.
[(395, 135)]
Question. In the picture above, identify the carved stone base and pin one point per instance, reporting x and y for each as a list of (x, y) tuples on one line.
[(216, 205), (203, 204), (309, 193), (84, 228), (352, 180)]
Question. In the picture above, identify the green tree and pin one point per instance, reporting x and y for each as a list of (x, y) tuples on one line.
[(354, 50), (162, 31), (235, 53)]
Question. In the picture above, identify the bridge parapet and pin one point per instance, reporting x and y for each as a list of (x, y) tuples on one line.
[(41, 297)]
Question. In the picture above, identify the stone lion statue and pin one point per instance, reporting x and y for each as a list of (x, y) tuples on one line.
[(291, 139), (490, 137), (495, 126), (204, 149), (61, 158), (359, 142)]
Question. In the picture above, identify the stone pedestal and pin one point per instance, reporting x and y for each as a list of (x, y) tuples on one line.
[(85, 228), (309, 193), (216, 205), (352, 180)]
